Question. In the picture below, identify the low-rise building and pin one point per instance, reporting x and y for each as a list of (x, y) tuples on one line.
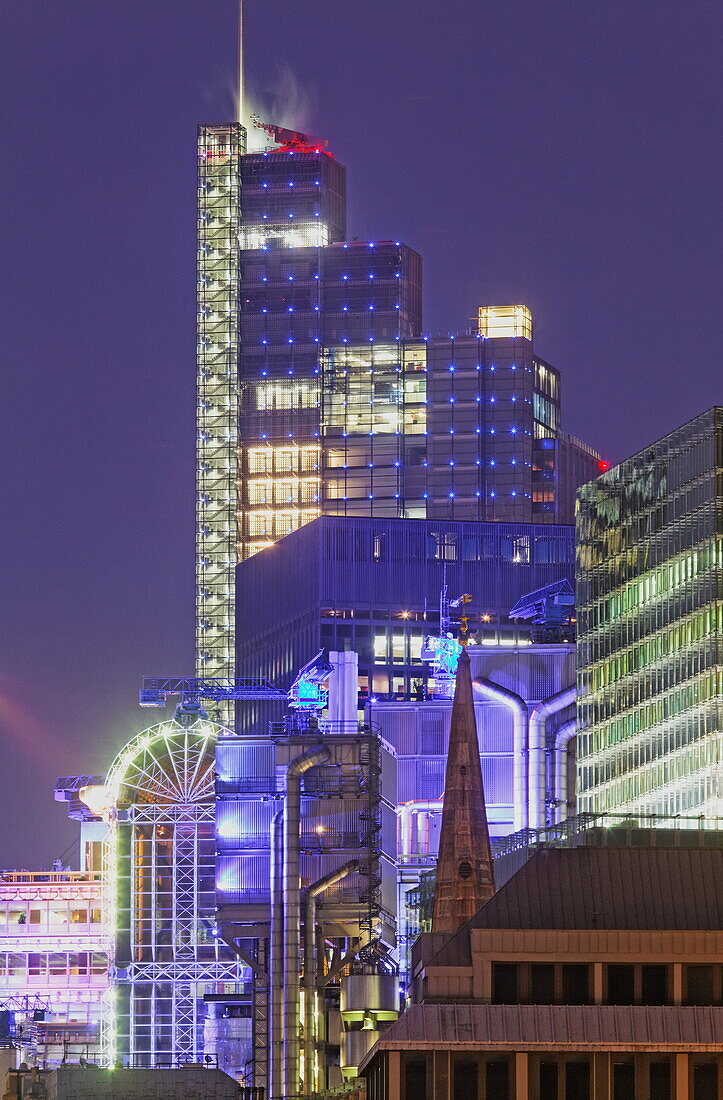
[(88, 1082), (53, 962), (592, 974)]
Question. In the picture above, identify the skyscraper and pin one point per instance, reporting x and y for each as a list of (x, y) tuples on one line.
[(462, 427), (319, 395), (276, 282), (649, 592)]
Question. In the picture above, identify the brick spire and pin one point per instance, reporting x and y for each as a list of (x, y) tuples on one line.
[(465, 876)]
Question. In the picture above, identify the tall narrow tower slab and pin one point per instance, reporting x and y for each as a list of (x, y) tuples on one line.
[(219, 157), (465, 875)]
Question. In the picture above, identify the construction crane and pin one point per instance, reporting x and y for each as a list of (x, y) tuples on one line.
[(155, 692), (443, 650), (307, 692), (550, 611), (290, 139)]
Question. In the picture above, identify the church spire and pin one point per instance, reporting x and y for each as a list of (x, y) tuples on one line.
[(465, 876)]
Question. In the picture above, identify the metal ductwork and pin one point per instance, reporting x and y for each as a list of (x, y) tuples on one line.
[(538, 723), (563, 737), (518, 706), (369, 1003), (310, 966), (292, 916), (406, 813), (344, 690)]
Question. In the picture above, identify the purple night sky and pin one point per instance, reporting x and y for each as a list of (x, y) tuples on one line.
[(561, 154)]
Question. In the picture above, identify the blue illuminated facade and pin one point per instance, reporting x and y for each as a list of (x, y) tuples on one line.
[(462, 427), (373, 585), (302, 287), (345, 408)]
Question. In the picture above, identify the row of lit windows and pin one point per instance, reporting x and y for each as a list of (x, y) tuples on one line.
[(656, 583), (52, 963), (280, 492), (667, 706), (660, 646), (647, 752), (690, 727), (286, 395), (301, 235), (640, 687), (688, 768), (275, 525), (546, 379), (56, 916), (282, 460), (630, 630)]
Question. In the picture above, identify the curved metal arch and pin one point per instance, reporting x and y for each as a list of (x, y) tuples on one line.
[(166, 764)]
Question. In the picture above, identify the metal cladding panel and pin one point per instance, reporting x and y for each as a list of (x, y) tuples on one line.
[(243, 878), (314, 866), (533, 672), (243, 823), (388, 887), (321, 825), (333, 557), (495, 727), (389, 777), (406, 779), (244, 760), (389, 831), (430, 778), (497, 779), (432, 734), (397, 727)]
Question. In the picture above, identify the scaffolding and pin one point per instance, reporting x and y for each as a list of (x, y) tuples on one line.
[(160, 867), (219, 158)]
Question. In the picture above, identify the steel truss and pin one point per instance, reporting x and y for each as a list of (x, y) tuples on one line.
[(161, 862)]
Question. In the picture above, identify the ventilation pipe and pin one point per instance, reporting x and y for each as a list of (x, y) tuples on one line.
[(276, 976), (538, 722), (423, 831), (563, 737), (291, 920), (310, 965), (517, 705), (344, 690), (406, 813)]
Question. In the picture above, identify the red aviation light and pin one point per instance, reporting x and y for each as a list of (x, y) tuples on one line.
[(602, 465)]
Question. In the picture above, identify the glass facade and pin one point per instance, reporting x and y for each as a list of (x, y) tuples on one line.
[(463, 427), (650, 627), (373, 585), (302, 287)]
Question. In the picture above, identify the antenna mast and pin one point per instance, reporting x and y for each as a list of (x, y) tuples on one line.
[(240, 77)]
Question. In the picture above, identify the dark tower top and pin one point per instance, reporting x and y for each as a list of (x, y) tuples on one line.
[(465, 876)]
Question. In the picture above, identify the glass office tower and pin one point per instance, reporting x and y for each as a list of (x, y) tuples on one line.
[(302, 286), (460, 427), (650, 624)]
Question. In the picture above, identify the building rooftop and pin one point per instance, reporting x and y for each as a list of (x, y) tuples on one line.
[(576, 1027), (657, 889)]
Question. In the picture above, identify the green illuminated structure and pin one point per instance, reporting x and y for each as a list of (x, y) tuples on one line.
[(650, 629)]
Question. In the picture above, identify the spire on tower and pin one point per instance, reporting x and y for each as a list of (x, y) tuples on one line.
[(240, 107), (465, 875)]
